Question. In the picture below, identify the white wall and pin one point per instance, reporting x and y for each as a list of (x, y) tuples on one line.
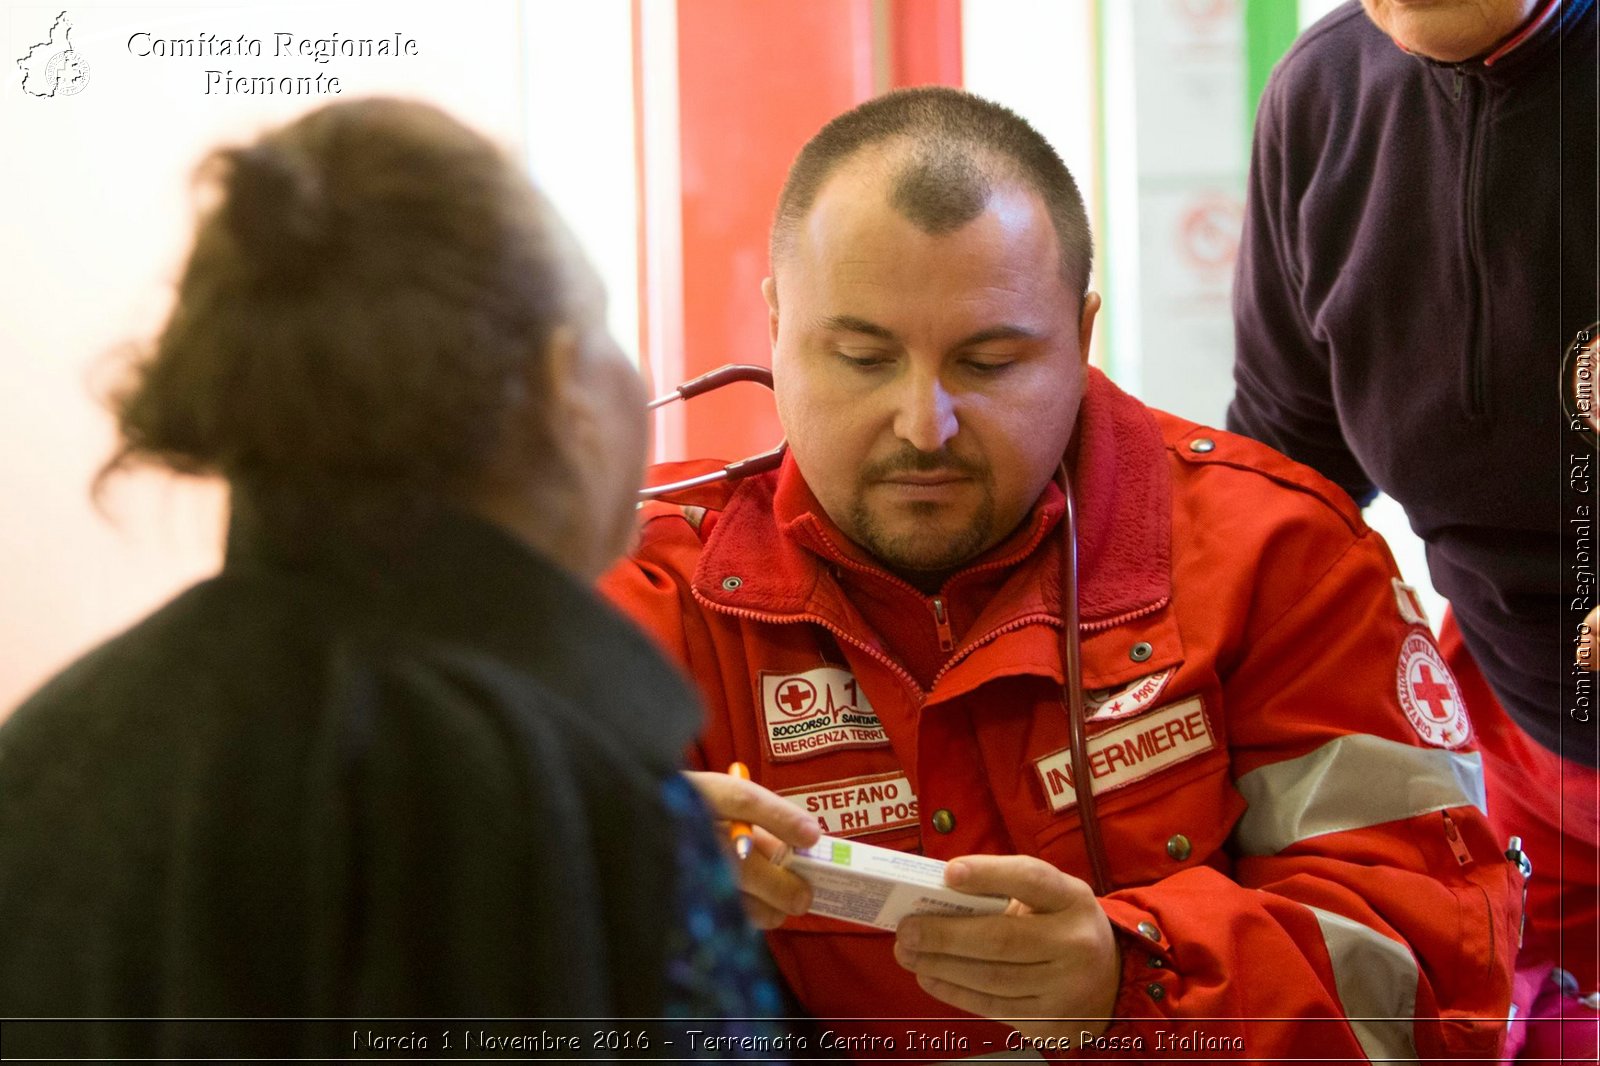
[(577, 67), (95, 216), (1312, 10)]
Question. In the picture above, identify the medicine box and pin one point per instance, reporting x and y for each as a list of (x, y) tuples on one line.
[(875, 886)]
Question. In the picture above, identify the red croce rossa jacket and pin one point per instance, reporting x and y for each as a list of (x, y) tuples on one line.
[(1284, 772)]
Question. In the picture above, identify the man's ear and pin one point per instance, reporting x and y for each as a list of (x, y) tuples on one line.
[(769, 292), (1091, 307)]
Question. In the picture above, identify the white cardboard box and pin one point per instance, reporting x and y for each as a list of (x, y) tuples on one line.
[(875, 886)]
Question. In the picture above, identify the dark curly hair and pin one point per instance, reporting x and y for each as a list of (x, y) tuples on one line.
[(363, 309)]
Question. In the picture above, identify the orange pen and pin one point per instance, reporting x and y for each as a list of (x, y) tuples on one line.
[(740, 832)]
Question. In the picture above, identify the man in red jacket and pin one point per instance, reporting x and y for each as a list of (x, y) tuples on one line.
[(1285, 776)]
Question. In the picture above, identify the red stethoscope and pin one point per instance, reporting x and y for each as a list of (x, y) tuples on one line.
[(1071, 661)]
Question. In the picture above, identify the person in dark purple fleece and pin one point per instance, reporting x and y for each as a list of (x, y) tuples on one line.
[(1419, 254)]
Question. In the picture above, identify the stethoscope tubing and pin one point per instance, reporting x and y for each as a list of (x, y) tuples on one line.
[(1072, 697)]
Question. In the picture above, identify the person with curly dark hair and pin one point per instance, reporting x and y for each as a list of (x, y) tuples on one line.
[(396, 759)]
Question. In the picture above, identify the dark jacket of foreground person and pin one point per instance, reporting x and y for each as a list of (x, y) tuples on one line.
[(337, 780)]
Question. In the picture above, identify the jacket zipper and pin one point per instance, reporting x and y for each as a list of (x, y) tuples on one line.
[(1048, 619), (994, 634), (941, 622), (787, 619), (1475, 282), (1452, 836), (940, 617), (1111, 623)]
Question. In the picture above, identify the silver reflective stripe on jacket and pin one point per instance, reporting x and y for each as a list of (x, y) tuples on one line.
[(1377, 983), (1349, 783)]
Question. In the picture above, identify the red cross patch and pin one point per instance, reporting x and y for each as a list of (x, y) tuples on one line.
[(816, 711), (795, 697), (1429, 694)]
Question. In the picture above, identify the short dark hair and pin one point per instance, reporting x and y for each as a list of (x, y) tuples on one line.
[(359, 312), (957, 143)]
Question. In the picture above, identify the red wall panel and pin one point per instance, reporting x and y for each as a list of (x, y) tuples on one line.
[(756, 80), (924, 42)]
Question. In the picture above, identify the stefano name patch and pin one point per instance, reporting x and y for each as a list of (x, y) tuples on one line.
[(817, 711), (859, 805), (1130, 752)]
